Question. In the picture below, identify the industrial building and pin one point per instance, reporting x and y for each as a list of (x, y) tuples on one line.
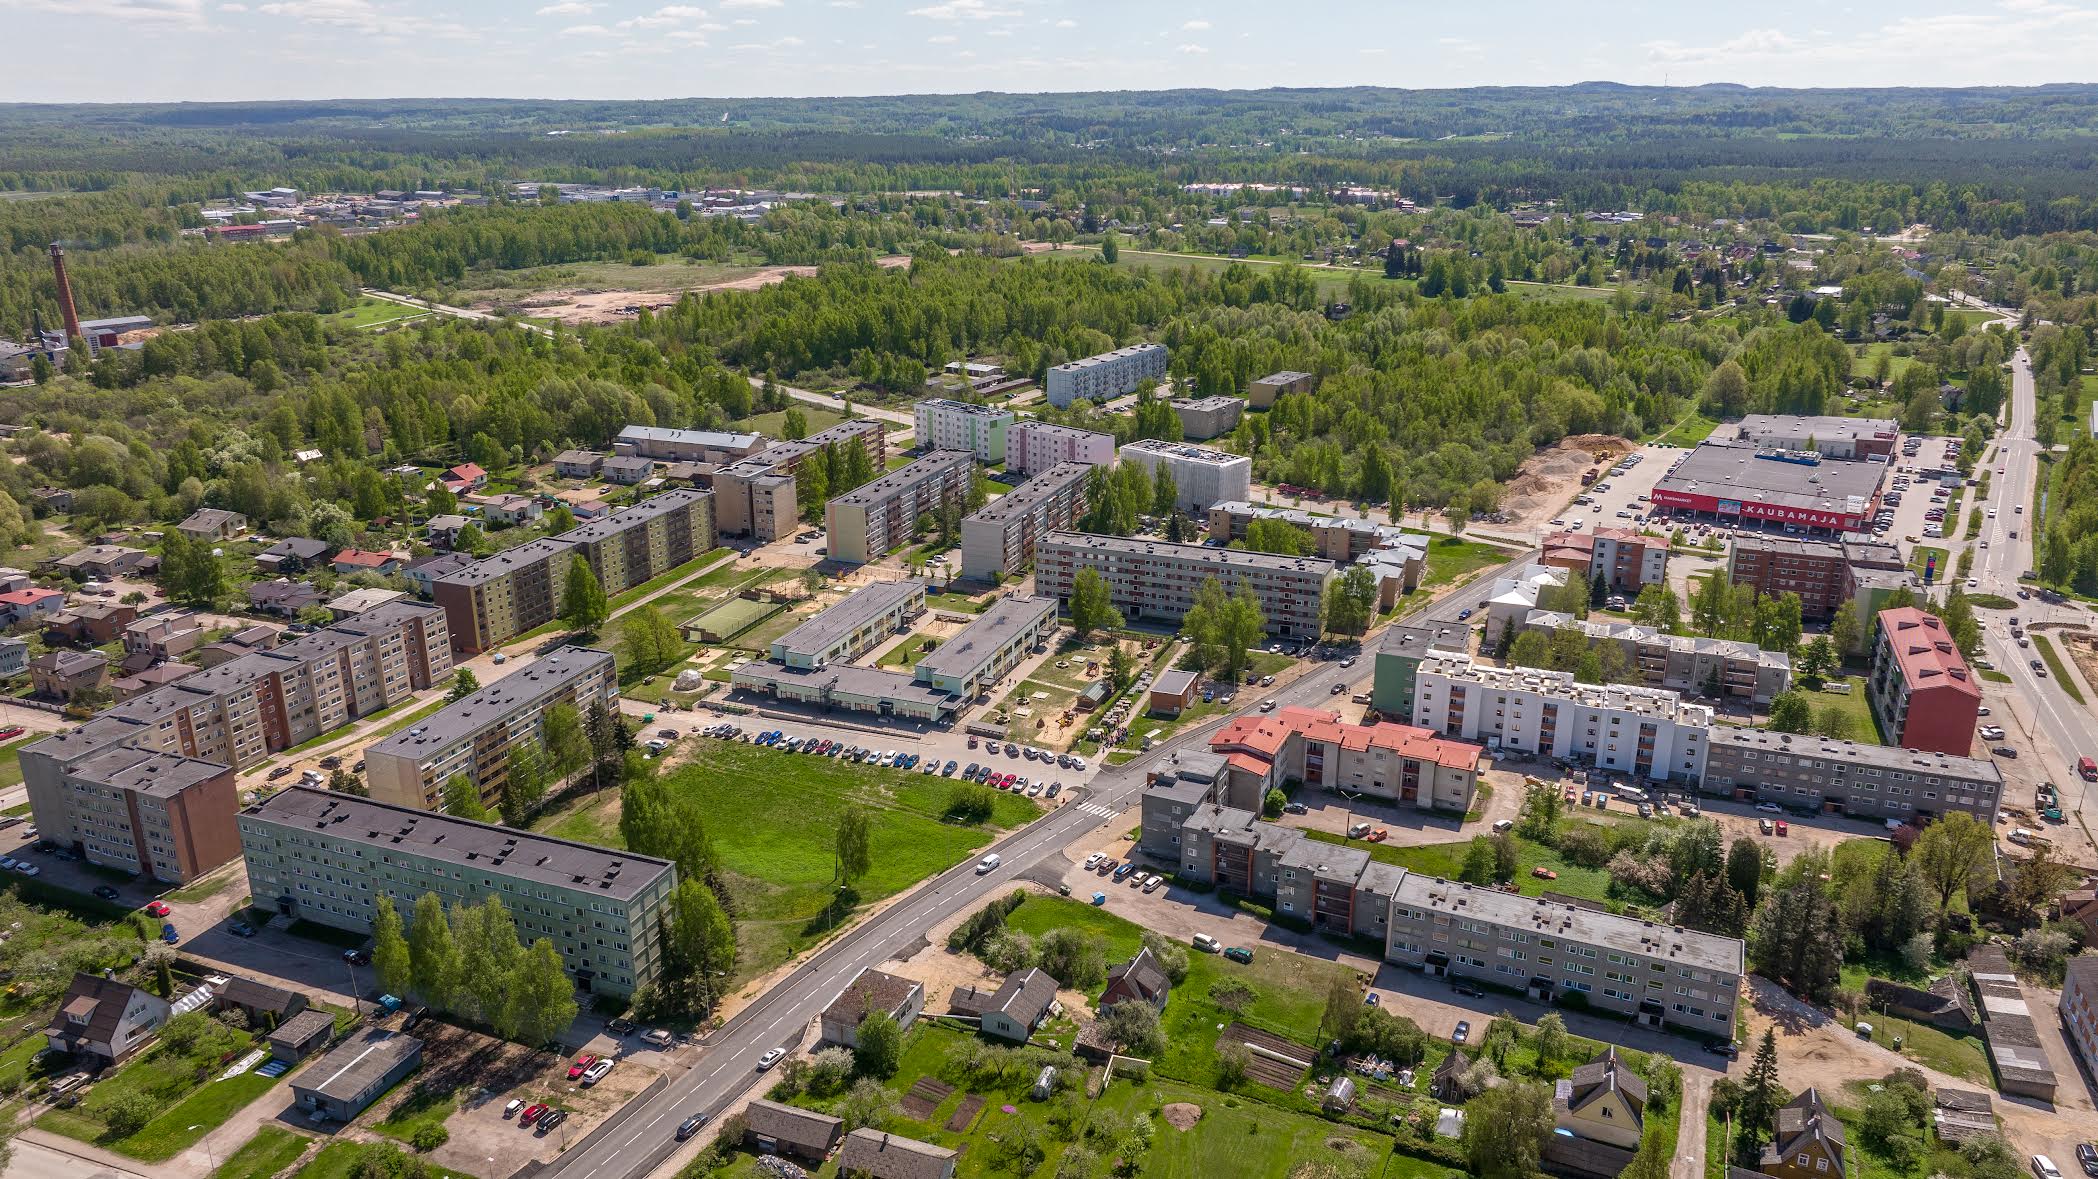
[(1202, 475), (1154, 580), (1637, 731), (1032, 446), (946, 424), (1203, 418), (757, 496), (1824, 573), (666, 445), (1830, 437), (1106, 376), (853, 627), (2022, 1066), (999, 538), (496, 599), (1801, 771), (1681, 663), (1627, 560), (357, 1072), (1737, 484), (474, 737), (2079, 1009), (1921, 688), (868, 521), (1511, 599), (315, 855), (1261, 394)]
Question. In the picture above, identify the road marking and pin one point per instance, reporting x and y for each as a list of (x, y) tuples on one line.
[(1094, 808)]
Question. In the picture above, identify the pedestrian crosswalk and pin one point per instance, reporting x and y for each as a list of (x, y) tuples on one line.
[(1094, 808)]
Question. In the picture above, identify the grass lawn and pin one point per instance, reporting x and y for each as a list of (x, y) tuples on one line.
[(1863, 725), (775, 842), (369, 312), (272, 1149), (1920, 555), (206, 888), (1958, 1056), (1447, 861), (403, 722), (1690, 431), (1866, 362), (15, 1063), (773, 425), (423, 1107), (1452, 558), (11, 759), (2047, 652), (338, 1159), (660, 580), (167, 1077)]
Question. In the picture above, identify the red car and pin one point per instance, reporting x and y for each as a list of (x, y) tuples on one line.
[(158, 908), (531, 1113), (1781, 828), (582, 1064), (10, 732)]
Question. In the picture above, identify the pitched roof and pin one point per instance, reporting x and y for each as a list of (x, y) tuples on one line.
[(1025, 996), (1924, 651), (1263, 736), (1141, 975), (882, 1155), (873, 990), (98, 1002), (799, 1127), (363, 558), (1452, 1066), (246, 992), (1805, 1121), (1606, 1074)]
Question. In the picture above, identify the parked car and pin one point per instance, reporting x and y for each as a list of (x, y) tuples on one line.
[(2004, 751), (1295, 808), (582, 1065), (771, 1057), (532, 1113), (241, 929), (105, 892), (1463, 1032), (691, 1126), (658, 1038), (1206, 943), (510, 1110), (2044, 1168), (157, 909), (599, 1071), (1724, 1048), (1239, 954), (168, 934), (551, 1119), (2087, 1158)]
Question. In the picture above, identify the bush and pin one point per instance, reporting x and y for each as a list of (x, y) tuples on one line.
[(429, 1136), (1585, 844), (1076, 959), (127, 1113), (1134, 1025), (1233, 1060), (984, 922), (1170, 955), (971, 802), (1007, 952)]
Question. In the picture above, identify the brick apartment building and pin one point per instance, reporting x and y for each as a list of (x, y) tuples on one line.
[(758, 496), (1627, 560), (1921, 688), (1824, 573)]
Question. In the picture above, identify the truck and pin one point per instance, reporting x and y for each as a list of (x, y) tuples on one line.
[(1590, 475)]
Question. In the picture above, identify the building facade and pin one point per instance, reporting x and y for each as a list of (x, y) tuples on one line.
[(1398, 763), (868, 521), (999, 538), (2079, 1009), (1681, 663), (475, 737), (1824, 573), (1398, 661), (1261, 394), (1202, 475), (1627, 561), (1734, 484), (314, 855), (1800, 771), (1641, 732), (1032, 446), (160, 815), (989, 648), (757, 496), (853, 627), (946, 424), (1106, 376), (1203, 418), (1156, 580), (683, 446), (1831, 437), (1921, 689)]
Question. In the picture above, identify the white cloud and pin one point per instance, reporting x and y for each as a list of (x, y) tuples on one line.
[(752, 3), (567, 8), (743, 22), (942, 39), (366, 18), (844, 3), (159, 12), (586, 31), (233, 8), (1195, 26), (963, 10), (1193, 49)]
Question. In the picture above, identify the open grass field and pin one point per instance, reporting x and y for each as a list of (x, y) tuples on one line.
[(1865, 360), (734, 616), (369, 312), (773, 425), (1452, 558), (1690, 431), (2055, 668), (776, 814), (1958, 1056), (1447, 861), (272, 1149), (1864, 727)]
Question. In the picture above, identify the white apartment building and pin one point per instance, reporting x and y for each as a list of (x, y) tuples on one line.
[(1202, 475), (853, 627), (871, 519), (1636, 731), (1032, 446), (1106, 376), (946, 424)]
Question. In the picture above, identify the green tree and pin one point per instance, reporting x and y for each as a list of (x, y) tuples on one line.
[(1950, 852), (189, 572), (1110, 252), (525, 783), (1540, 812), (1657, 606), (1275, 536), (794, 426), (854, 843), (1478, 862), (880, 1049), (1351, 601), (433, 955), (1165, 493), (1121, 668), (1343, 1010), (1744, 869), (1091, 605), (462, 798), (1761, 1093), (561, 731), (702, 941), (1790, 712), (391, 960), (649, 640), (583, 604), (488, 958), (1552, 1041), (1244, 626), (1504, 1130), (539, 999), (464, 683)]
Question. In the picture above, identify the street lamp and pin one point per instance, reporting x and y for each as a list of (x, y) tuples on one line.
[(206, 1140)]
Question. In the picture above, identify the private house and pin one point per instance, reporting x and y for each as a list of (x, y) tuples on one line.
[(773, 1128), (264, 1004), (29, 605), (103, 1019), (878, 1154), (463, 478), (872, 991), (2078, 905), (1019, 1006), (163, 636), (90, 625), (443, 531), (578, 464), (293, 554), (61, 675), (14, 658), (283, 597), (1809, 1141), (1604, 1100), (213, 524), (365, 561), (510, 509), (627, 469), (145, 679), (106, 561), (1141, 979)]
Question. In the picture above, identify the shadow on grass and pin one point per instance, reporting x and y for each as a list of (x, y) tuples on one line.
[(834, 914)]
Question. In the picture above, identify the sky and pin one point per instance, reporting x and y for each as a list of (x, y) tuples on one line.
[(208, 50)]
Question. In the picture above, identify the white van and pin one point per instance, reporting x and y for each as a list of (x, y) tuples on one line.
[(989, 863), (1206, 943)]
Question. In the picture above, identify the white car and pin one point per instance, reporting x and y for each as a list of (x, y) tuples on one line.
[(1092, 860), (2044, 1168), (1992, 732), (771, 1058), (597, 1072)]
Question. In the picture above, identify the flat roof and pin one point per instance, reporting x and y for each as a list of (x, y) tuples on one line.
[(1007, 617), (1735, 472), (348, 1072), (859, 608), (1650, 939), (1817, 427), (1200, 553), (1108, 357), (542, 677), (1632, 632), (723, 439), (1036, 426), (1036, 490), (1891, 757), (483, 571), (896, 482), (867, 682), (1416, 641), (1216, 401), (157, 775), (1283, 378), (1655, 702), (463, 843), (968, 408), (1186, 452)]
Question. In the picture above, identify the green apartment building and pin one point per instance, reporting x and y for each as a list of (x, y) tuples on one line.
[(315, 855), (1399, 655)]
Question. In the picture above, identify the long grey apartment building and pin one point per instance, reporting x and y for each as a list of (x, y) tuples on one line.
[(1000, 537), (1106, 376), (475, 736), (315, 855), (1801, 771), (868, 521), (1153, 580)]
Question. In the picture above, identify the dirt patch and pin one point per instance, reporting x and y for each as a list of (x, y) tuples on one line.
[(581, 305), (1180, 1115), (964, 1114), (1547, 479), (2082, 646), (1274, 1057), (925, 1096)]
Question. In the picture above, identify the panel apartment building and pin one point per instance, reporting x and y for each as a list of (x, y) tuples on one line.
[(1921, 688), (946, 424), (1641, 732), (1824, 573), (232, 716), (474, 736), (1032, 446), (1157, 581), (1203, 418), (1000, 537), (868, 521), (1800, 771), (1680, 663), (757, 496), (1202, 475), (314, 855), (498, 598), (1261, 394), (1106, 376)]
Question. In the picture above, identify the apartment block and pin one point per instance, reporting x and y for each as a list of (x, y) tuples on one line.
[(1680, 663), (868, 521), (1000, 537), (853, 627), (1921, 689), (1398, 660), (685, 446), (314, 855), (1640, 732), (1106, 376), (1155, 580), (1032, 446), (1202, 475), (1399, 763), (160, 815), (494, 600), (1627, 560), (756, 496), (1824, 573), (1391, 551), (990, 647), (1261, 394), (1800, 771), (946, 424), (1203, 418), (2079, 1009), (1657, 975), (1338, 889), (474, 737), (1831, 437)]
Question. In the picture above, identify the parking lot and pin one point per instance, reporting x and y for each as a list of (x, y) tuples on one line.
[(1620, 501), (933, 749)]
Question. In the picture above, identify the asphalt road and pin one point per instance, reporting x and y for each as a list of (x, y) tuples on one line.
[(727, 1067)]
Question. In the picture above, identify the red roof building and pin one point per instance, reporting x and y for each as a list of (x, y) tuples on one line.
[(365, 561), (1922, 690), (1397, 762), (464, 477)]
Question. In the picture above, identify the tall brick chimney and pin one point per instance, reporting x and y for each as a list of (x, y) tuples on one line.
[(65, 294)]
